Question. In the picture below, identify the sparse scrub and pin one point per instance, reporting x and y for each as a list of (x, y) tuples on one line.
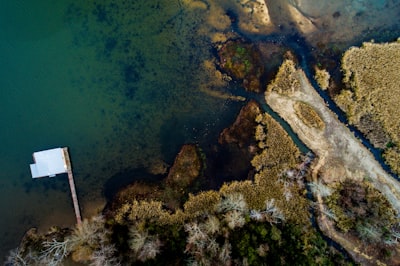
[(368, 232), (212, 225), (225, 253), (271, 213), (54, 252), (232, 202), (329, 213), (287, 194), (16, 258), (150, 249), (201, 246), (145, 246), (104, 256), (234, 219), (320, 189), (90, 232), (137, 238), (359, 208), (87, 238), (196, 234), (38, 249)]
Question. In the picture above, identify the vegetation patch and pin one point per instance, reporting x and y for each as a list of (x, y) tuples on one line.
[(286, 81), (245, 222), (373, 91), (280, 171), (308, 115), (322, 77), (243, 62), (362, 210)]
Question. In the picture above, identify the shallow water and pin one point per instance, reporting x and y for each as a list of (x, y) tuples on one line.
[(118, 88), (118, 82)]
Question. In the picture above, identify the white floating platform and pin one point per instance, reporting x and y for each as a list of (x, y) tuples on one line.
[(49, 163)]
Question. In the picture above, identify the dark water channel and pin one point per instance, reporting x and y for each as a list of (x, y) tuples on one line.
[(118, 83), (302, 51)]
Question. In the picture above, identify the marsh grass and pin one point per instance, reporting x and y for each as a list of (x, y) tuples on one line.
[(285, 81), (371, 73), (322, 77), (309, 115)]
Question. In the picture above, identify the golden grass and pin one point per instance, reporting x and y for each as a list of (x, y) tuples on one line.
[(285, 81), (322, 77), (280, 149), (203, 203), (372, 74), (308, 115), (278, 155)]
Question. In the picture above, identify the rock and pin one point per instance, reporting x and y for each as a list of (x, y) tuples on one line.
[(243, 62)]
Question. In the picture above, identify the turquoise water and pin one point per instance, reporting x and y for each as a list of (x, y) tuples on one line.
[(117, 84), (121, 83)]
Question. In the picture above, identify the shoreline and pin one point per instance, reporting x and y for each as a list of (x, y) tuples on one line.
[(340, 154)]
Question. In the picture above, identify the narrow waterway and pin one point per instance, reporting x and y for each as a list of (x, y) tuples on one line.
[(302, 51), (118, 83)]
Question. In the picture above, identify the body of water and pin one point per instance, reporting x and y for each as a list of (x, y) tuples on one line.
[(121, 83), (116, 83)]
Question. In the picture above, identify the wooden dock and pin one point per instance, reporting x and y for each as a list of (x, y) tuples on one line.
[(72, 186)]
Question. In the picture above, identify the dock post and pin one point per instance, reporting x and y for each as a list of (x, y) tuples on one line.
[(72, 187)]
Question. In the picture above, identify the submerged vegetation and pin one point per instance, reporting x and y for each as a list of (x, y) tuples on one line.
[(264, 220), (243, 62)]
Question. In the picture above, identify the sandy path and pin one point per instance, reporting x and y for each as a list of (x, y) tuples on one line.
[(341, 155)]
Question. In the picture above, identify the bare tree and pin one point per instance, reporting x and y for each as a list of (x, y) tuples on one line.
[(54, 252), (321, 189)]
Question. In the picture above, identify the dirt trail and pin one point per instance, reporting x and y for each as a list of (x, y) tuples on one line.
[(341, 155)]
